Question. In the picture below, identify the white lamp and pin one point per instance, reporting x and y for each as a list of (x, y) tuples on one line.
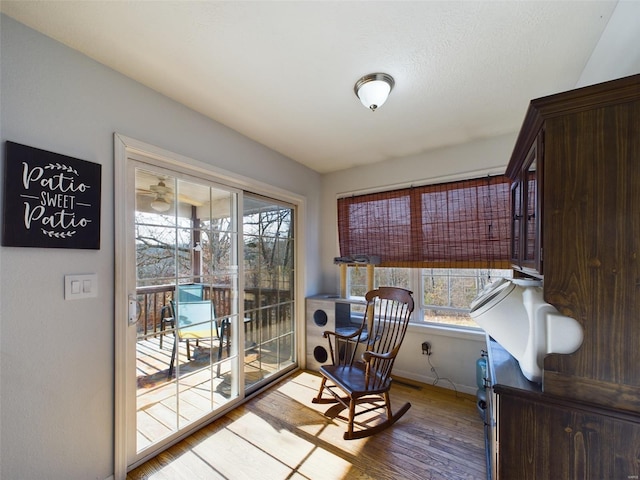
[(373, 89), (160, 204)]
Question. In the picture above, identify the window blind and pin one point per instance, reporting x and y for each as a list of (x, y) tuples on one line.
[(462, 224)]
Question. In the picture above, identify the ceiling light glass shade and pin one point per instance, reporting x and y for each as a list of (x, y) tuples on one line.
[(373, 89), (160, 205)]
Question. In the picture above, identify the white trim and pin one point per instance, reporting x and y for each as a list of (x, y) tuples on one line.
[(220, 175), (237, 368), (301, 283), (120, 351), (446, 331)]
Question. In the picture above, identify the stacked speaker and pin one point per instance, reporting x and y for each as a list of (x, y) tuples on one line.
[(321, 316), (329, 313)]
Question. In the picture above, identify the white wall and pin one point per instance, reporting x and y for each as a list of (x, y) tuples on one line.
[(56, 356), (617, 53), (454, 354)]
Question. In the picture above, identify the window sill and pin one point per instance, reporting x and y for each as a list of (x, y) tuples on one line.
[(445, 331)]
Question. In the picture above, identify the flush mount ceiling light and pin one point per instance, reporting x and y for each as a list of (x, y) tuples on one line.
[(373, 89)]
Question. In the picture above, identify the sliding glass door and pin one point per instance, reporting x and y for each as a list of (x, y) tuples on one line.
[(205, 297)]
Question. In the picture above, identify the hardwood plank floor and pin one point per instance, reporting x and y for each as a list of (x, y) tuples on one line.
[(281, 435)]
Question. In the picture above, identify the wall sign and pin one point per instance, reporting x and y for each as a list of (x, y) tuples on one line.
[(50, 200)]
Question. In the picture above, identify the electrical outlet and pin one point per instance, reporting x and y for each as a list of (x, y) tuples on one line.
[(426, 348)]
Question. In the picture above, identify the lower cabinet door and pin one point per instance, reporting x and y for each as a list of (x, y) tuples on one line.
[(539, 440)]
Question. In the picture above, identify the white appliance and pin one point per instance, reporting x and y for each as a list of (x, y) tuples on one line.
[(515, 314)]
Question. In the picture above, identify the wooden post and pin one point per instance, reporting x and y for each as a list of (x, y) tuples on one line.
[(343, 280), (369, 277)]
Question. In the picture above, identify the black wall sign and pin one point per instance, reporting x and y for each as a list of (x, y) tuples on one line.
[(50, 200)]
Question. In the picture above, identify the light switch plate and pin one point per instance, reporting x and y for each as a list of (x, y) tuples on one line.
[(80, 286)]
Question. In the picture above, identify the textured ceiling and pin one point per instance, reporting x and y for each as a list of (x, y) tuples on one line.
[(282, 73)]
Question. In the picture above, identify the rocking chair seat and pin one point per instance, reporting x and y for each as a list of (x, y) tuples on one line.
[(352, 379)]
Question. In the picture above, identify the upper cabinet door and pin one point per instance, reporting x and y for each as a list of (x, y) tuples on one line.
[(517, 212), (526, 235)]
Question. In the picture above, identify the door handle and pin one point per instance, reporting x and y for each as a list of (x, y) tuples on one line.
[(133, 310)]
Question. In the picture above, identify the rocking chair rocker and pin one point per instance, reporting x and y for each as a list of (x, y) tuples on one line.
[(352, 381)]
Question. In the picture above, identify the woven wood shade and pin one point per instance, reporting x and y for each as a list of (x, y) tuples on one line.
[(463, 224)]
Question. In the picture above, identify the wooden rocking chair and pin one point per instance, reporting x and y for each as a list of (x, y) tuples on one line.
[(360, 373)]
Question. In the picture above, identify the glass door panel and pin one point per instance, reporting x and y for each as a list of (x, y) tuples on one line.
[(531, 209), (268, 241), (187, 290)]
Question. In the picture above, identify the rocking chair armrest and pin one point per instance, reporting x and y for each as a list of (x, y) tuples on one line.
[(328, 333), (368, 356)]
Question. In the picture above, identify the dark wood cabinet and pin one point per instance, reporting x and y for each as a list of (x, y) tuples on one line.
[(536, 436), (584, 422)]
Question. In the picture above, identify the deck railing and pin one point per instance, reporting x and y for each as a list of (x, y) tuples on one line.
[(269, 306)]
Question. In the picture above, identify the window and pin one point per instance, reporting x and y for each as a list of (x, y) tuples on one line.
[(444, 242), (396, 277), (448, 292), (442, 295)]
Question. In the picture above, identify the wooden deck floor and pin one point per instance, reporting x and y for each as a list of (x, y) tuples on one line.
[(280, 434), (202, 387)]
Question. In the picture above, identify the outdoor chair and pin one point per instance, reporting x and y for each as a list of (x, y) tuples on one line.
[(191, 292), (359, 377), (196, 321)]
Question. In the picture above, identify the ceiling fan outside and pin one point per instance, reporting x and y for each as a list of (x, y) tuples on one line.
[(163, 196), (160, 203), (160, 188)]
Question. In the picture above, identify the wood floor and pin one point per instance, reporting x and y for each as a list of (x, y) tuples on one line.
[(280, 435)]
